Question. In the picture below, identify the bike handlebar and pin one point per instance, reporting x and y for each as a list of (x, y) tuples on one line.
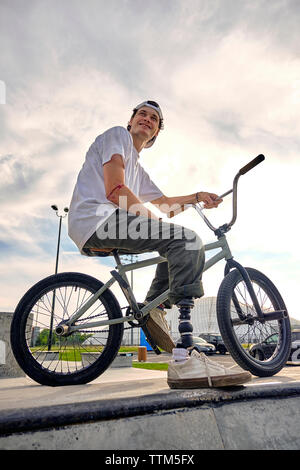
[(242, 171), (260, 158)]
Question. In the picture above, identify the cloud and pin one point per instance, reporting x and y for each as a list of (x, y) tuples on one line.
[(16, 177)]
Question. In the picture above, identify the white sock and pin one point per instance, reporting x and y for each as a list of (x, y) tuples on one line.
[(180, 354)]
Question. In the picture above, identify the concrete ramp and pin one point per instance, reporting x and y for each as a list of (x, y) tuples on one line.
[(146, 415)]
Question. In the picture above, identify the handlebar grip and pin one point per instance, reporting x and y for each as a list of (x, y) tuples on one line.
[(260, 158)]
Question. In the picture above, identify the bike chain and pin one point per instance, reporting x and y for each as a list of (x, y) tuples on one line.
[(101, 331), (106, 331), (140, 324)]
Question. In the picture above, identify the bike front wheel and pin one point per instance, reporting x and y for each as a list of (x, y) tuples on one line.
[(260, 347), (83, 355)]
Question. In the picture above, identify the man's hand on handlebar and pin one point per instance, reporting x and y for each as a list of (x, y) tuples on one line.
[(210, 200)]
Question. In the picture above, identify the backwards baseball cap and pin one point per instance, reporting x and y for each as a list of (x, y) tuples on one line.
[(155, 106)]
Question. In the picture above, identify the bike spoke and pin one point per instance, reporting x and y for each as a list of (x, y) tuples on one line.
[(65, 354), (252, 331)]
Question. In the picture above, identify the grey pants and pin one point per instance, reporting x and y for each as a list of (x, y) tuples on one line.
[(182, 248)]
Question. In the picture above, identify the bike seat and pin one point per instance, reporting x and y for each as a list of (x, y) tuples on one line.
[(106, 251)]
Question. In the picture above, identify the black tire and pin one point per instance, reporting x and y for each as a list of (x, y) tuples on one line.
[(238, 337), (65, 363)]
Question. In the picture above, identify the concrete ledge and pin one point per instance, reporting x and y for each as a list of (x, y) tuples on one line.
[(46, 417), (2, 352), (46, 356), (260, 424), (121, 360), (10, 367)]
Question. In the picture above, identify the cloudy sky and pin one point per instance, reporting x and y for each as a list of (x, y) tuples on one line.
[(227, 76)]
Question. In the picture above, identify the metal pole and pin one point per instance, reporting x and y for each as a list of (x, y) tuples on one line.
[(53, 297), (56, 269), (58, 243)]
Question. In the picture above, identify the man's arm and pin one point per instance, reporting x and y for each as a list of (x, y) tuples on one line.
[(165, 203), (114, 176)]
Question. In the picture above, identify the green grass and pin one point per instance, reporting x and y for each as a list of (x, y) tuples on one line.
[(131, 349), (74, 354), (70, 355), (128, 349), (150, 365)]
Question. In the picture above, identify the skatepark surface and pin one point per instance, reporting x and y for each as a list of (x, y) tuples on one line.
[(131, 408)]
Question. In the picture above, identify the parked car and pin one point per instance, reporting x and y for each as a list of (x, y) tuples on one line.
[(202, 345), (265, 349), (216, 340)]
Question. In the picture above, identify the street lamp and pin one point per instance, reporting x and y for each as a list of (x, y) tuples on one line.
[(66, 210)]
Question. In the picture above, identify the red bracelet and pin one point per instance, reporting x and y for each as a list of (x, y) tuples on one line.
[(117, 187)]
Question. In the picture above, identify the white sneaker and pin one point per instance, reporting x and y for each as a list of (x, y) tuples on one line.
[(159, 329), (198, 371)]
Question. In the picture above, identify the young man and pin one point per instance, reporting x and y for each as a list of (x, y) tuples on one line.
[(107, 211)]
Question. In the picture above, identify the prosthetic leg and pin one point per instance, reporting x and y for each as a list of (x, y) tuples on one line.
[(185, 326)]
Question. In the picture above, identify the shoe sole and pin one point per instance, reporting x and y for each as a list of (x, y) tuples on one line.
[(161, 339), (223, 381)]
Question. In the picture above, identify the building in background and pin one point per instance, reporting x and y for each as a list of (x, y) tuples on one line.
[(203, 317), (204, 320)]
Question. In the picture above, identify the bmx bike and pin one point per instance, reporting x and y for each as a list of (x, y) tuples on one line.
[(67, 329)]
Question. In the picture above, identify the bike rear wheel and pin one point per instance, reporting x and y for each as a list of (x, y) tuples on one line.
[(261, 348), (82, 356)]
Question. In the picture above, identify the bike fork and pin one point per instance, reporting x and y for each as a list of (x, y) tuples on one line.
[(231, 263), (262, 317)]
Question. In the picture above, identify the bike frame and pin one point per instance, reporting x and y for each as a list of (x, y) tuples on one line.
[(120, 276)]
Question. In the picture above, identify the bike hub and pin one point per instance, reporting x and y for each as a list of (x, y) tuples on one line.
[(62, 330)]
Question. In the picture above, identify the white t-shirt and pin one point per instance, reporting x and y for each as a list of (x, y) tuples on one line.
[(89, 207)]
